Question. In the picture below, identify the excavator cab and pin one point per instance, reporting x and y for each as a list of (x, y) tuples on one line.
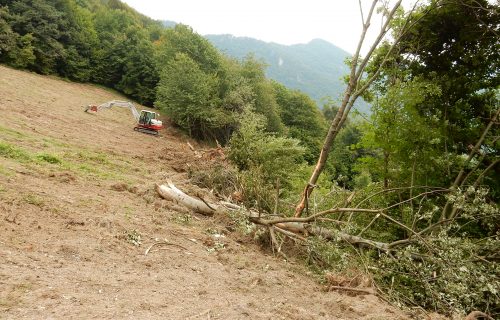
[(146, 117), (148, 122)]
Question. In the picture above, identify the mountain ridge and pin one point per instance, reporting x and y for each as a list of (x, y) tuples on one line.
[(316, 67)]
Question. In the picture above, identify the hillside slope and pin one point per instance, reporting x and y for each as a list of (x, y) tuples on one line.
[(78, 210)]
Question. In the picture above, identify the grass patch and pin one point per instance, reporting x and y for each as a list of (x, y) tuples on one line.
[(34, 200), (94, 164), (13, 133), (46, 157), (55, 143), (92, 170), (51, 143), (99, 158), (12, 152)]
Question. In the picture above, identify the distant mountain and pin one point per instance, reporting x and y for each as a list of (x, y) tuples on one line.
[(168, 23), (315, 68)]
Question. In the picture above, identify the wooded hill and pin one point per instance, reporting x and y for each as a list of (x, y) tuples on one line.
[(107, 42)]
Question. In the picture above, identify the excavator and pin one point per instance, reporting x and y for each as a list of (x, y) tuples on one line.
[(147, 121)]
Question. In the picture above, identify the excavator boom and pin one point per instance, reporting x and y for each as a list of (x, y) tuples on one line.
[(115, 103)]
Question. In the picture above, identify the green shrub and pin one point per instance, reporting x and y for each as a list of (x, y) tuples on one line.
[(48, 158), (12, 152), (263, 159)]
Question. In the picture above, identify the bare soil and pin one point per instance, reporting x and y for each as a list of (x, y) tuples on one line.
[(78, 211)]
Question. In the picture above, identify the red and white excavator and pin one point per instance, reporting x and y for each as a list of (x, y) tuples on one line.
[(147, 121)]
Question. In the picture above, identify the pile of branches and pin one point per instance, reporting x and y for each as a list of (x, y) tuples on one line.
[(427, 253)]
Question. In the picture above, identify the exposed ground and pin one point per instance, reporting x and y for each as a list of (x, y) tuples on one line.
[(78, 210)]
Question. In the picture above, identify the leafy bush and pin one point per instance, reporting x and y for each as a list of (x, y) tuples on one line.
[(48, 158), (263, 158), (452, 280), (455, 268)]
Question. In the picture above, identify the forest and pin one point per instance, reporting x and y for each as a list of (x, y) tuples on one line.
[(408, 195)]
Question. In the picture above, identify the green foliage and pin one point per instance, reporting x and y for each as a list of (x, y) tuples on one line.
[(125, 55), (450, 271), (189, 97), (7, 36), (452, 47), (23, 56), (323, 257), (264, 100), (182, 39), (302, 118), (102, 41), (220, 177), (405, 143), (251, 146), (9, 151), (263, 158), (50, 158), (344, 155), (191, 88), (45, 23), (204, 92), (140, 76)]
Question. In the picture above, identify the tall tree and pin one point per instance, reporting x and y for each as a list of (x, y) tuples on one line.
[(356, 86), (264, 102), (453, 47), (182, 39), (302, 118), (189, 97)]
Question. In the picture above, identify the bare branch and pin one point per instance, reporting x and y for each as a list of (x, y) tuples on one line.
[(436, 189), (369, 225), (375, 44), (361, 11)]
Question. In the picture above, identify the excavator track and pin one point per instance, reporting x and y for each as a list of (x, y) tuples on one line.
[(146, 131)]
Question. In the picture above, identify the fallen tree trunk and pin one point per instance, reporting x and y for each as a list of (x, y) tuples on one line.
[(170, 192), (300, 226), (328, 234)]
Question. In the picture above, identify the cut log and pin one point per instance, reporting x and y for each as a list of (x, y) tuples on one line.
[(170, 192)]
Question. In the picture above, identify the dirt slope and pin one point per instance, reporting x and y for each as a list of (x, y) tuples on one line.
[(78, 210)]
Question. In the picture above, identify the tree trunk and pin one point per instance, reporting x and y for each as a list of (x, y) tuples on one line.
[(350, 95), (170, 192)]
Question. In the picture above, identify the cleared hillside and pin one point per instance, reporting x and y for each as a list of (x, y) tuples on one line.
[(78, 210)]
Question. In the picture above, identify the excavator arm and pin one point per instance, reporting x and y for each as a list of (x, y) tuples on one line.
[(115, 103)]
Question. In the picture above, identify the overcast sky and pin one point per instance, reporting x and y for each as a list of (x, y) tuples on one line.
[(284, 22)]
